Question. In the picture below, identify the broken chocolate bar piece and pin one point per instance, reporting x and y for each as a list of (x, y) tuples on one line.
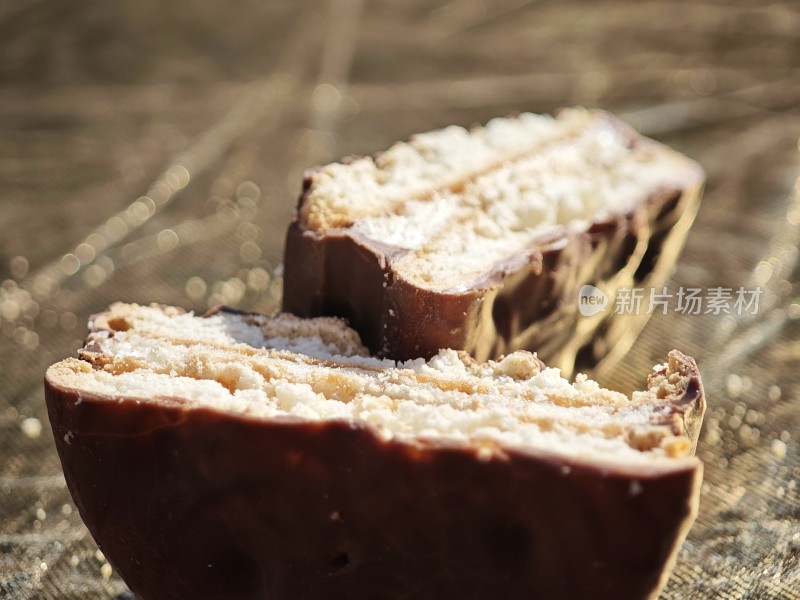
[(238, 456), (480, 240)]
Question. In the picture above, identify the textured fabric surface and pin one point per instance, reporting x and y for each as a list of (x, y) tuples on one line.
[(153, 152)]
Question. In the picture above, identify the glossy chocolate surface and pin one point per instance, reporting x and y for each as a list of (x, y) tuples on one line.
[(191, 503)]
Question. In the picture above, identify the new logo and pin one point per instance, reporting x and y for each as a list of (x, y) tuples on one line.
[(591, 300)]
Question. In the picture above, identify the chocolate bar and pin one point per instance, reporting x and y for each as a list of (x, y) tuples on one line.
[(238, 456), (481, 240)]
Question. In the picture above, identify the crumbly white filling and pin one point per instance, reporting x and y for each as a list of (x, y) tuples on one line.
[(314, 337), (433, 160), (229, 364), (461, 201)]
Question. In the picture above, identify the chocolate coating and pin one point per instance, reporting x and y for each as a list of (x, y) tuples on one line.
[(529, 301), (191, 503)]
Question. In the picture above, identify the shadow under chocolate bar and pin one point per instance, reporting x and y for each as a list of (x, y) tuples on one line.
[(535, 207)]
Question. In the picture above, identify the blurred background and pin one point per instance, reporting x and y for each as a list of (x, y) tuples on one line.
[(153, 152)]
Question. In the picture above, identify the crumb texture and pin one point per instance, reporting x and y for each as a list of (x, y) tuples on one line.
[(458, 202), (316, 369)]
